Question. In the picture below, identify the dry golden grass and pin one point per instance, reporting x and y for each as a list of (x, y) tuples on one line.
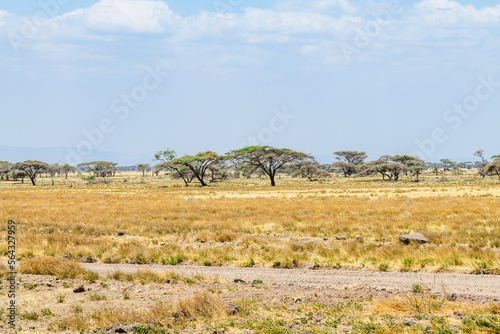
[(3, 269), (146, 276), (228, 224), (203, 304), (47, 265)]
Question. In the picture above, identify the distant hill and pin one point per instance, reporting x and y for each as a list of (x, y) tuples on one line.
[(61, 154)]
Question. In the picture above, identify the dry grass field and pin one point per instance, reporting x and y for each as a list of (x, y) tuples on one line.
[(351, 224)]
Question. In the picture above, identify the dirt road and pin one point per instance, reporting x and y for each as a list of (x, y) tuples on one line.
[(483, 286)]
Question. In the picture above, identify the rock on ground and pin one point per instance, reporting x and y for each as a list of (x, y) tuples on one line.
[(418, 237)]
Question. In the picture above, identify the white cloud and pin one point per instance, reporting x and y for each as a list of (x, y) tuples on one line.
[(143, 16), (316, 5), (291, 22), (146, 16), (450, 13), (3, 14)]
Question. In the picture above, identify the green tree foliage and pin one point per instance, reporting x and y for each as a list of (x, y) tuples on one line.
[(32, 168), (5, 167), (144, 168), (199, 164), (493, 168), (310, 170), (267, 159), (349, 162), (482, 163), (99, 168)]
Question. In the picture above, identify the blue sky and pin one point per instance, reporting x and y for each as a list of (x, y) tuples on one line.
[(135, 76)]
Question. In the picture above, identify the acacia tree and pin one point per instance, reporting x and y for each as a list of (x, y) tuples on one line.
[(415, 166), (311, 171), (218, 172), (199, 164), (17, 174), (185, 174), (267, 159), (384, 166), (404, 160), (4, 170), (144, 168), (482, 163), (32, 168), (168, 160), (493, 168), (52, 170), (349, 161), (67, 168), (99, 168)]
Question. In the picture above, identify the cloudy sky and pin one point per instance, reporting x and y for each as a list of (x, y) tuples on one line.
[(135, 76)]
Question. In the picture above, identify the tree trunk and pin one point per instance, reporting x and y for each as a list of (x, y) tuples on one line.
[(273, 183)]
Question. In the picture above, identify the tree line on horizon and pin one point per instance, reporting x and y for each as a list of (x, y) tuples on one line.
[(208, 167)]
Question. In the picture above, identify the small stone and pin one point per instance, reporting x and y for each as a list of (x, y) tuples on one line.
[(417, 237), (359, 238), (325, 238), (341, 237), (238, 280), (119, 234), (177, 314), (232, 309), (79, 289), (116, 329), (451, 297), (379, 288), (409, 323)]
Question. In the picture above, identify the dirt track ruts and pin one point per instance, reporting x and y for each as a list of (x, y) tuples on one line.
[(460, 284)]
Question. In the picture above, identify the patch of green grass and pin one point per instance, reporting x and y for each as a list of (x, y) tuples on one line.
[(383, 266), (33, 316), (474, 324), (91, 276), (97, 297), (46, 312), (77, 309), (148, 329), (417, 288)]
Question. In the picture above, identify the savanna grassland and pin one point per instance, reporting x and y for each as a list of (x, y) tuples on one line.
[(341, 224), (296, 224)]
